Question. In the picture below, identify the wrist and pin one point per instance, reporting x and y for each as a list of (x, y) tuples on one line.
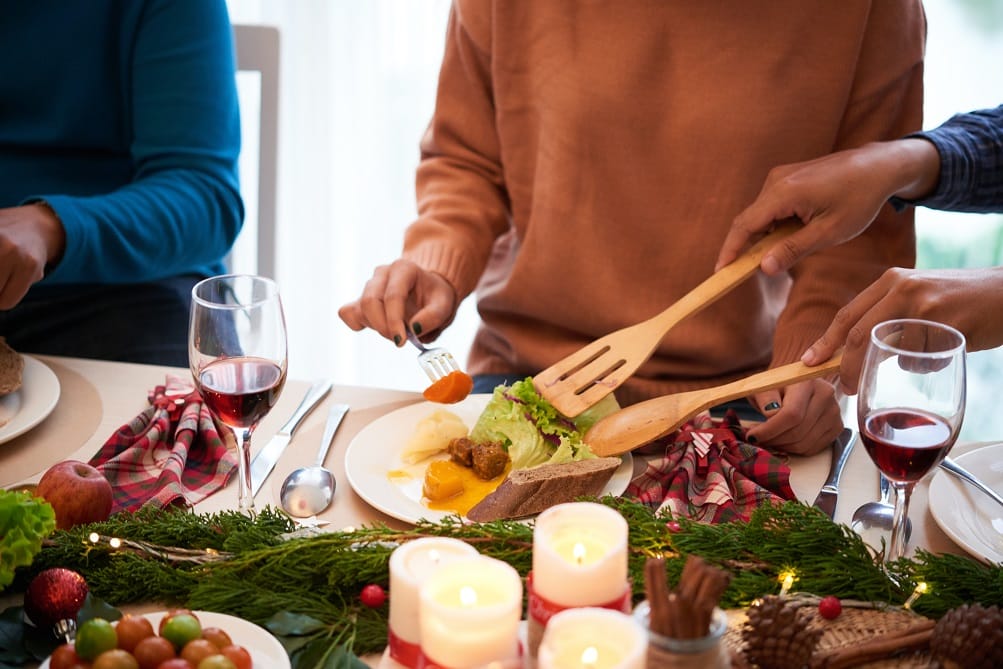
[(52, 231), (915, 162)]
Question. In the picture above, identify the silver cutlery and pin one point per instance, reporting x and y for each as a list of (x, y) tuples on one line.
[(827, 496), (266, 458), (437, 363), (953, 468), (309, 490), (877, 516)]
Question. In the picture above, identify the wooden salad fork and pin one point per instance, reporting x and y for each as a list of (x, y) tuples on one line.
[(644, 422), (586, 376)]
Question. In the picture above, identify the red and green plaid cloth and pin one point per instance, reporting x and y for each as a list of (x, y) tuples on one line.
[(707, 472), (170, 454)]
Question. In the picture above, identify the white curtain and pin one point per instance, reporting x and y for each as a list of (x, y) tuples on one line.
[(358, 81)]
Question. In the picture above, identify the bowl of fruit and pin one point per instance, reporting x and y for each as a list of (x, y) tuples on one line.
[(174, 639)]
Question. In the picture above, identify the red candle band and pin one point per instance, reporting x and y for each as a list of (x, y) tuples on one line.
[(541, 609), (404, 652)]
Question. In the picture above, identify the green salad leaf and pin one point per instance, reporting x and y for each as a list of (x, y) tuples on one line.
[(534, 432)]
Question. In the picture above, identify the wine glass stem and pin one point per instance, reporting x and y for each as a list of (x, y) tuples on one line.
[(245, 500), (897, 547)]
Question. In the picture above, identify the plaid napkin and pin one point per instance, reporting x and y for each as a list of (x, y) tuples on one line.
[(169, 454), (708, 473)]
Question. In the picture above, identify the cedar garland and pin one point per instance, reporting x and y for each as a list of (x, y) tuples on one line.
[(258, 571)]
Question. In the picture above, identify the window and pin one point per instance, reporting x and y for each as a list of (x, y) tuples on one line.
[(358, 85)]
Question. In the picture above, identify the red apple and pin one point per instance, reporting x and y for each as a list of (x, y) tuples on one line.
[(78, 493)]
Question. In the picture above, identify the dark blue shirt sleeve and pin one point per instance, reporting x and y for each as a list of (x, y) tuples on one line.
[(971, 163), (182, 210)]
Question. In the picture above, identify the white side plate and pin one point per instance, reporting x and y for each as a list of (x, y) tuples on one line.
[(28, 406), (968, 516)]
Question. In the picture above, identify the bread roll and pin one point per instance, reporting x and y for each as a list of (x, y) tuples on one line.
[(11, 368), (529, 491)]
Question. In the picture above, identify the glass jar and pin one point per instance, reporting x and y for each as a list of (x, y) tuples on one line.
[(707, 652)]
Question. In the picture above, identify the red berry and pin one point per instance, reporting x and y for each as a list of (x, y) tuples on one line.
[(673, 526), (830, 607), (373, 596)]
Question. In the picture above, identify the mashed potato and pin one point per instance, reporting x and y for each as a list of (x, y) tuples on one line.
[(432, 435)]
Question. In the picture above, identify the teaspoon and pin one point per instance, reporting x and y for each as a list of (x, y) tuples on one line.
[(874, 519), (309, 490)]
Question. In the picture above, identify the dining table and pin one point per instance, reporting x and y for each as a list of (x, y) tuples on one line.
[(97, 397)]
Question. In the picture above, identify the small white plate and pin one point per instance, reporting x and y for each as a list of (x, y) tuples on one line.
[(375, 452), (266, 651), (968, 516), (28, 406)]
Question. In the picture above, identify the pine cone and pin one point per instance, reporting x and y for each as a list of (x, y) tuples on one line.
[(777, 634), (969, 637)]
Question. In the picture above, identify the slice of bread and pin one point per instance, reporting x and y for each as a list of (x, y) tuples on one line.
[(529, 491), (11, 368)]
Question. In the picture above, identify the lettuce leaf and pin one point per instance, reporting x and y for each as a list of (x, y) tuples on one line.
[(534, 432)]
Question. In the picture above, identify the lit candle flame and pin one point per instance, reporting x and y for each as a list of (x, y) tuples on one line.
[(578, 552), (468, 596), (589, 657)]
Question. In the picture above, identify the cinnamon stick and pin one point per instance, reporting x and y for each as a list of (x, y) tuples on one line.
[(656, 589), (911, 638)]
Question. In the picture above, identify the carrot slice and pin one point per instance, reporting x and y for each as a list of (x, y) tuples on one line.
[(450, 389)]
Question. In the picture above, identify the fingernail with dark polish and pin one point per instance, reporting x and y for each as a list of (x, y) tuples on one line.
[(416, 328), (397, 340), (772, 406)]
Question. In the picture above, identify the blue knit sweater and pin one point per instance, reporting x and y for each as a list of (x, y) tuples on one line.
[(122, 115)]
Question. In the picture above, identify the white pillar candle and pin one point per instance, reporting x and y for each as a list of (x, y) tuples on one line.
[(411, 564), (470, 613), (593, 638), (580, 554)]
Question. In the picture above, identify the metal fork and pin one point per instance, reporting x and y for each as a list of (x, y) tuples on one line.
[(437, 362)]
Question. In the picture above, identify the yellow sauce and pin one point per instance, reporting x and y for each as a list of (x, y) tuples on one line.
[(399, 476), (474, 489)]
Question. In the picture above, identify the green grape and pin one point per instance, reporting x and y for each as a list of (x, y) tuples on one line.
[(25, 521)]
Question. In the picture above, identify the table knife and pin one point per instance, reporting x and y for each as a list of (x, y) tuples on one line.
[(266, 458), (826, 500)]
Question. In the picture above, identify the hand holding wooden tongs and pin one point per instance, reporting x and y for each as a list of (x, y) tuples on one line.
[(583, 378)]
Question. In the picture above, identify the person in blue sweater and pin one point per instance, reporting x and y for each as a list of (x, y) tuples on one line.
[(119, 138), (957, 166)]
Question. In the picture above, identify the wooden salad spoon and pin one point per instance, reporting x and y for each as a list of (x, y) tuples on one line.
[(644, 422), (578, 381)]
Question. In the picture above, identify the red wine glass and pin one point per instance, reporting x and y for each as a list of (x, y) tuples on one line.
[(911, 405), (237, 354)]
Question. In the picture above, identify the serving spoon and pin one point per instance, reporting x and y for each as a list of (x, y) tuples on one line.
[(309, 490)]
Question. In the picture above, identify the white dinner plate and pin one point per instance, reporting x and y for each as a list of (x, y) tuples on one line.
[(266, 651), (375, 452), (970, 517), (28, 406)]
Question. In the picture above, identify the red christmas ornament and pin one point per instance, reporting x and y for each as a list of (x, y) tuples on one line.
[(673, 526), (373, 596), (54, 595), (830, 607)]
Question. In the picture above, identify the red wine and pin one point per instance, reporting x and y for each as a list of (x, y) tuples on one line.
[(905, 443), (239, 391)]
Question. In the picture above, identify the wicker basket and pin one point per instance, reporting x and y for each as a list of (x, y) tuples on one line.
[(853, 626)]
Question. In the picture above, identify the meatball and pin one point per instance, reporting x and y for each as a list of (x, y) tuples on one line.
[(489, 460), (461, 451)]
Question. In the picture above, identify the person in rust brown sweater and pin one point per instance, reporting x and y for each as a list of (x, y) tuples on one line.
[(584, 163)]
